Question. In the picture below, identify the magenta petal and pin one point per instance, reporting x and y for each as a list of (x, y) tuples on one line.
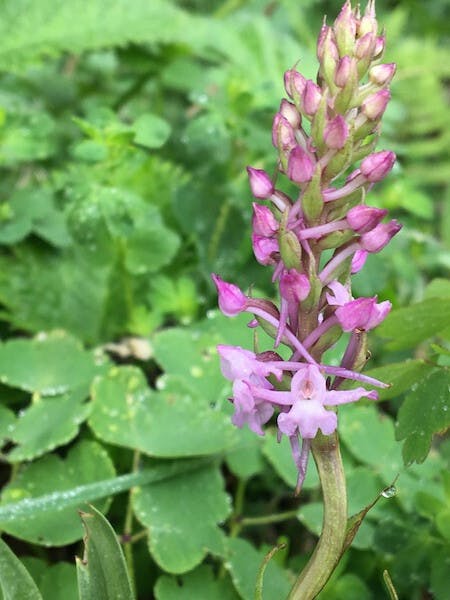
[(300, 166), (340, 294), (264, 249), (334, 398), (308, 384), (263, 222), (260, 183), (232, 300)]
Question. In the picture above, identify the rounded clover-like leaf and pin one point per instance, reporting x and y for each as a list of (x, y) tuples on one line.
[(86, 462), (46, 424), (127, 413), (182, 514), (49, 364), (197, 584)]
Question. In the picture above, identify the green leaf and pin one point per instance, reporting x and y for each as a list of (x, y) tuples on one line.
[(438, 288), (79, 306), (59, 582), (243, 563), (7, 422), (32, 210), (369, 437), (151, 131), (59, 500), (350, 587), (401, 376), (439, 572), (127, 413), (246, 459), (200, 584), (15, 581), (182, 516), (50, 364), (27, 137), (408, 326), (425, 411), (50, 29), (58, 525), (47, 424), (192, 356), (102, 573)]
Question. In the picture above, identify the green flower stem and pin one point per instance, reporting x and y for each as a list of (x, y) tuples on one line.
[(266, 520), (330, 546)]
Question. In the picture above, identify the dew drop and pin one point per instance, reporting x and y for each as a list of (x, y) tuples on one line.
[(389, 492)]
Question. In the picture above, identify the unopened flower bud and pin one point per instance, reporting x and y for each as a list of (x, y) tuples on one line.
[(311, 97), (377, 165), (375, 104), (380, 42), (294, 286), (343, 71), (376, 239), (363, 218), (358, 261), (328, 55), (344, 28), (265, 249), (336, 133), (283, 136), (382, 74), (324, 31), (300, 166), (363, 314), (365, 46), (232, 300), (294, 84), (264, 223), (260, 183), (290, 113)]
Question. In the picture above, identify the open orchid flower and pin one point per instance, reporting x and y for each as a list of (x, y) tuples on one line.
[(343, 109)]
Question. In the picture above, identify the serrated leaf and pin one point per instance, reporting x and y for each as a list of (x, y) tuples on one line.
[(86, 462), (74, 27), (425, 411), (406, 327), (50, 364), (182, 516), (127, 413), (243, 564), (15, 581), (200, 584), (46, 424), (102, 573)]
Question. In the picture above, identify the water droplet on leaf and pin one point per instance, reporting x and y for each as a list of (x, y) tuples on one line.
[(389, 492)]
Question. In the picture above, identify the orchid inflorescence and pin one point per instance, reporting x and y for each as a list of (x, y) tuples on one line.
[(324, 128)]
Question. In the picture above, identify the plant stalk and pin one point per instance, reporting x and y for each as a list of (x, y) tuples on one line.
[(329, 549)]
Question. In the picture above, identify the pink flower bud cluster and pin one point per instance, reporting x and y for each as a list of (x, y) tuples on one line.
[(320, 131)]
